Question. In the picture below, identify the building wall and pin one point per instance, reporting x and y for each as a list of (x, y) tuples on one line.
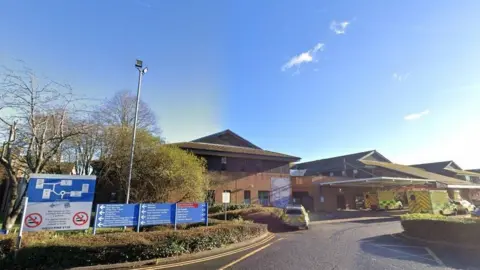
[(239, 182)]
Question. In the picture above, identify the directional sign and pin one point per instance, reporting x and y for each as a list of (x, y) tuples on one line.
[(157, 214), (191, 212), (59, 202), (116, 215)]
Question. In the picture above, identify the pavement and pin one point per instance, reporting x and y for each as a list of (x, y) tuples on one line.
[(354, 244)]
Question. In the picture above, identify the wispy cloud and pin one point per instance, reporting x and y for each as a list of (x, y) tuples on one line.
[(415, 116), (400, 77), (339, 28), (304, 57)]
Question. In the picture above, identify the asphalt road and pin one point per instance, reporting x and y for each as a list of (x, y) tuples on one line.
[(350, 245)]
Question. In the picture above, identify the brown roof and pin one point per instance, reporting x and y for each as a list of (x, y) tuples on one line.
[(417, 172), (233, 149)]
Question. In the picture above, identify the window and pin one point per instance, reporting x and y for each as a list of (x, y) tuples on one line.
[(344, 173), (331, 174), (264, 197), (223, 166), (247, 197), (294, 211)]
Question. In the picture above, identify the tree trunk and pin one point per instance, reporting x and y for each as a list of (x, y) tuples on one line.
[(14, 209)]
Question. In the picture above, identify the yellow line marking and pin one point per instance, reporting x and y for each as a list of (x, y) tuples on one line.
[(165, 266), (435, 257), (244, 257)]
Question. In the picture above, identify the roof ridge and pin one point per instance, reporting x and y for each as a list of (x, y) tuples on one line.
[(366, 152)]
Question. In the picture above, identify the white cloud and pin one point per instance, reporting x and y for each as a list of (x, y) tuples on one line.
[(304, 57), (339, 27), (415, 116), (400, 77)]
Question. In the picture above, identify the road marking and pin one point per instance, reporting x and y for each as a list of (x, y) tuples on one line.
[(405, 253), (244, 257), (165, 266), (434, 256)]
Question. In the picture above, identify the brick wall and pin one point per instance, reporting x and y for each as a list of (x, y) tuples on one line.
[(239, 182)]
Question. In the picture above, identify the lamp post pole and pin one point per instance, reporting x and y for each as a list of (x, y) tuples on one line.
[(141, 72)]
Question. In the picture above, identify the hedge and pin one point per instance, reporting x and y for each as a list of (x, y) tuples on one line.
[(47, 250), (441, 228), (217, 208), (241, 213)]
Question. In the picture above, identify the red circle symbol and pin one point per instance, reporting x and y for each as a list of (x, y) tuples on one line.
[(33, 220), (80, 218)]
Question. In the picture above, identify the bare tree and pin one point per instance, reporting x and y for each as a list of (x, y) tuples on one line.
[(38, 124), (120, 111)]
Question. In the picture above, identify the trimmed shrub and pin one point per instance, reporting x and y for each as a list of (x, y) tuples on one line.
[(57, 251), (441, 228), (217, 208)]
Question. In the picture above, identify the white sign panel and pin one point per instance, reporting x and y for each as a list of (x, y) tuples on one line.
[(281, 191), (226, 197), (57, 216)]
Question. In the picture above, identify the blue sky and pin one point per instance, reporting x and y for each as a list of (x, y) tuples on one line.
[(308, 78)]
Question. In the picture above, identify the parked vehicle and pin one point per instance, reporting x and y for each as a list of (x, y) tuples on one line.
[(296, 216), (463, 206)]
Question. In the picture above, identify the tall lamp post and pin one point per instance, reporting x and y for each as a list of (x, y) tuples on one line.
[(141, 72)]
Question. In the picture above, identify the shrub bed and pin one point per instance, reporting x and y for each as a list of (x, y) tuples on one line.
[(242, 213), (217, 208), (47, 250), (441, 228)]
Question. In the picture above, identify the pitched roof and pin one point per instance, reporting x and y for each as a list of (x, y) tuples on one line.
[(416, 172), (474, 170), (234, 149), (438, 167), (337, 163), (435, 167), (226, 137)]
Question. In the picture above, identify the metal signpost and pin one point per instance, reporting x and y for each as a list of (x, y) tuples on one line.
[(156, 214), (191, 213), (58, 202), (149, 214), (116, 215), (225, 201)]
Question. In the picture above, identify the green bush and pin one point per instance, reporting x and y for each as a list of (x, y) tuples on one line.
[(217, 208), (48, 250), (439, 217), (441, 228)]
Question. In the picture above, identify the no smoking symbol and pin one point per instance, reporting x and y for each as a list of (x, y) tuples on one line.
[(33, 220), (80, 218)]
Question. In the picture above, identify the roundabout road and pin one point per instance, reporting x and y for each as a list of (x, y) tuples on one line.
[(367, 244)]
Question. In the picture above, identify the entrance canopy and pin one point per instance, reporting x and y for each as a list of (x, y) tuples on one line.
[(381, 182)]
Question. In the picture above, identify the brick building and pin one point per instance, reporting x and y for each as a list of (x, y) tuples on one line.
[(339, 182), (252, 175)]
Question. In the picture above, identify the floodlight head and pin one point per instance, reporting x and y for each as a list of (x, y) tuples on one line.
[(139, 63), (145, 70)]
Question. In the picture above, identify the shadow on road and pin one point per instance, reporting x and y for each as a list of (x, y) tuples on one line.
[(397, 247), (387, 246)]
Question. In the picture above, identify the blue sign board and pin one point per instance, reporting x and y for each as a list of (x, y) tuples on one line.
[(116, 215), (157, 214), (52, 188), (191, 213), (59, 202)]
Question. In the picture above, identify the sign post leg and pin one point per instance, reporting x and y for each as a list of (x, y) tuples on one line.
[(22, 223), (139, 215), (225, 210), (206, 214), (96, 220), (175, 218)]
